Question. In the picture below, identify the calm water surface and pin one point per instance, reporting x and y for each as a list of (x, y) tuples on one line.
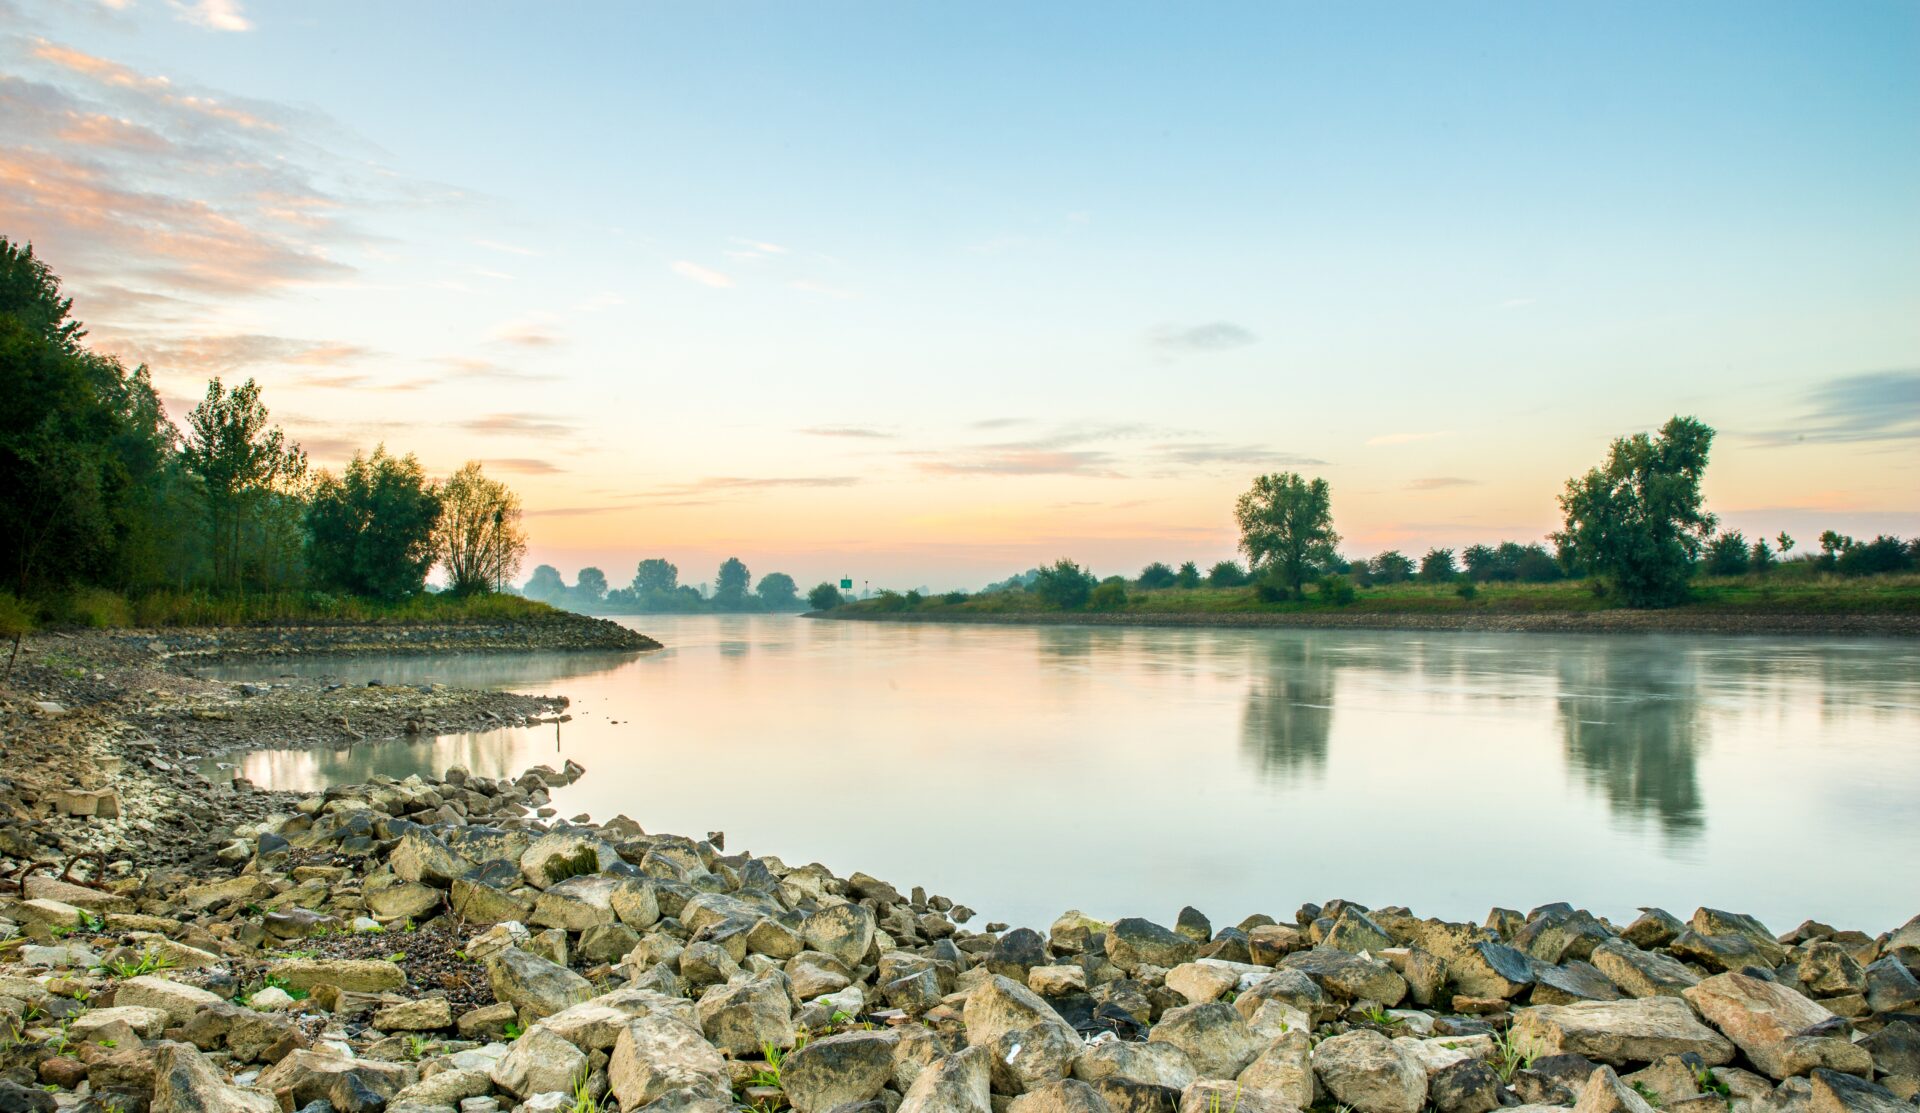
[(1025, 771)]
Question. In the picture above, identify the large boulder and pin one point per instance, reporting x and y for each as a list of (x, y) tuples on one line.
[(185, 1082), (838, 1070), (1642, 973), (577, 903), (1617, 1032), (1767, 1020), (556, 856), (595, 1025), (743, 1018), (999, 1005), (655, 1056), (1217, 1041), (844, 931), (420, 856), (957, 1083), (1146, 1064), (178, 1000), (313, 1075), (1834, 1092), (1026, 1059), (1134, 942), (1348, 976), (1284, 1070), (1367, 1071), (356, 975), (530, 982), (541, 1061)]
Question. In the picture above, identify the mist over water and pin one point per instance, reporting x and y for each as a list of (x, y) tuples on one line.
[(1025, 771)]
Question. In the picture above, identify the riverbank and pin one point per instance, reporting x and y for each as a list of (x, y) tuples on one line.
[(1564, 622), (448, 945)]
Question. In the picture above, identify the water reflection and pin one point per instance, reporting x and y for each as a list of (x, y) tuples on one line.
[(1287, 723), (1630, 723)]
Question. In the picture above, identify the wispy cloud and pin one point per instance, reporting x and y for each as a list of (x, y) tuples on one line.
[(521, 425), (1403, 438), (1216, 336), (1019, 461), (525, 465), (1440, 482), (469, 367), (853, 431), (706, 276), (528, 332), (1850, 409), (220, 355), (215, 15), (1200, 454)]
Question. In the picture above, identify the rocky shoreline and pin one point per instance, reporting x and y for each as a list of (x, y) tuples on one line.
[(451, 946), (1555, 622)]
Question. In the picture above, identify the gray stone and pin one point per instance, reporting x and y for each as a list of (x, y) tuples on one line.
[(1027, 1059), (1067, 1095), (532, 983), (541, 1061), (1766, 1021), (1617, 1032), (1721, 925), (1895, 1049), (1134, 942), (1215, 1038), (1891, 986), (1469, 1086), (559, 855), (312, 1075), (1367, 1071), (1284, 1070), (1834, 1092), (421, 857), (576, 903), (185, 1082), (1349, 976), (742, 1019), (999, 1005), (655, 1055), (844, 931), (838, 1070), (1605, 1093), (958, 1083), (1642, 973), (1656, 927), (1147, 1064)]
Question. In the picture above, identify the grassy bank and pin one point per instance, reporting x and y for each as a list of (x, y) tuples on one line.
[(92, 608), (1889, 603)]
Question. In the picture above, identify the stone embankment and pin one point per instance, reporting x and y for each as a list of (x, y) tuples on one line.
[(450, 946), (561, 631), (1888, 625)]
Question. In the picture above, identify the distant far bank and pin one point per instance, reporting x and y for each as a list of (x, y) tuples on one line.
[(1874, 607)]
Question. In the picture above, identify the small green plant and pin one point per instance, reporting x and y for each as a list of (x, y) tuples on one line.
[(417, 1047), (1509, 1057), (513, 1030), (109, 1044), (1648, 1095), (1378, 1015), (1215, 1105), (397, 956), (770, 1076), (583, 1099), (149, 962)]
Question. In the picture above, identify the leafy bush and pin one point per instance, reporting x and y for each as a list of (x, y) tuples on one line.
[(1064, 585), (824, 597), (1336, 590), (1157, 575), (1272, 587), (92, 606), (1727, 554), (1465, 588), (1111, 595), (1188, 577), (1227, 573), (953, 598)]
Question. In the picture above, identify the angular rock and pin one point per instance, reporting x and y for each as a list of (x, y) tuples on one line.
[(998, 1005), (356, 975), (1469, 1086), (1766, 1021), (315, 1075), (1284, 1070), (1134, 942), (532, 983), (1715, 923), (541, 1061), (1365, 1070), (1834, 1092), (1642, 973), (1348, 976), (1217, 1041), (838, 1070), (559, 855), (1891, 986), (428, 1014), (576, 903), (741, 1019), (1199, 982), (185, 1082), (422, 857), (1605, 1093), (1638, 1031), (1026, 1059), (655, 1056), (1161, 1064), (177, 1000), (844, 931), (958, 1083), (1067, 1095)]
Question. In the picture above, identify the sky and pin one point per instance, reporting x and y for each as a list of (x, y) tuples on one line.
[(929, 294)]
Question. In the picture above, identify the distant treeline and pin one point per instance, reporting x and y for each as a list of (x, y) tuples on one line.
[(656, 589), (109, 513)]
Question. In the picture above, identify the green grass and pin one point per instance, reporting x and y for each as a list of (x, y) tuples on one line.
[(1787, 590), (98, 609)]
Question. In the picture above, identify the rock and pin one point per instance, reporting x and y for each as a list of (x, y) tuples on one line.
[(1215, 1038), (391, 897), (998, 1005), (838, 1070), (1217, 1096), (957, 1083), (559, 855), (1891, 986), (481, 903), (1720, 952), (1469, 1086), (1365, 1070), (449, 1087), (1765, 1020), (844, 931), (1895, 1049), (1566, 985), (1017, 952), (1834, 1092), (421, 857), (1026, 1059), (1071, 933), (177, 1000), (1671, 1080), (1134, 942), (313, 1075), (1714, 923), (145, 1022), (185, 1082), (655, 1055), (1490, 970), (635, 904), (1563, 938), (1605, 1093), (1642, 973), (534, 984), (428, 1014), (1067, 1095), (1284, 1070), (1347, 976), (742, 1019), (1617, 1032), (576, 903), (1200, 982), (1354, 932), (1828, 970), (1655, 928), (1288, 987), (1057, 981), (356, 975), (1164, 1065), (539, 1062)]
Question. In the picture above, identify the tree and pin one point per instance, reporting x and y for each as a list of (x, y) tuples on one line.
[(1727, 554), (824, 597), (480, 539), (370, 532), (545, 585), (1188, 577), (778, 592), (1286, 527), (590, 589), (1156, 575), (1227, 573), (1785, 542), (730, 584), (655, 576), (1761, 558), (1110, 595), (1064, 584), (1638, 522), (1437, 566), (245, 467), (1480, 561), (1392, 567)]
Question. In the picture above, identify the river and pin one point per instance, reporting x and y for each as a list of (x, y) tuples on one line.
[(1025, 771)]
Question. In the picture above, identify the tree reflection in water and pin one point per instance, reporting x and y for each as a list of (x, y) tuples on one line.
[(1630, 721), (1289, 712)]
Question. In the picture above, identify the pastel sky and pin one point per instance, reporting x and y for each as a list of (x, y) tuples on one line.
[(927, 294)]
